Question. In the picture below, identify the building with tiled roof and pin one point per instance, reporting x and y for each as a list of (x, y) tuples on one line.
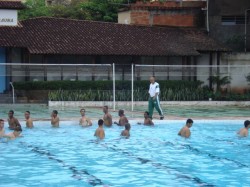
[(54, 40), (66, 41)]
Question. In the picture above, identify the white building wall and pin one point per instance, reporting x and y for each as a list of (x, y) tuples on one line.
[(124, 17), (238, 69)]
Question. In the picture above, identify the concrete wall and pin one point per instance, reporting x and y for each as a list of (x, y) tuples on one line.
[(124, 17), (238, 69)]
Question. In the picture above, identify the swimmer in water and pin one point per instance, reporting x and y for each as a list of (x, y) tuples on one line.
[(54, 119), (126, 132), (2, 131), (13, 135), (244, 131), (147, 120), (100, 131), (185, 131), (29, 121), (107, 118), (123, 120), (13, 122), (84, 121)]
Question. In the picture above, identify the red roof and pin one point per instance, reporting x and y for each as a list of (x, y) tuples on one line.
[(11, 5), (67, 36)]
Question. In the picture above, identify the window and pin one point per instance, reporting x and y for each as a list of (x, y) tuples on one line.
[(233, 20)]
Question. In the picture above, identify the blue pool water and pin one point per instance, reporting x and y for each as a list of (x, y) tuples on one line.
[(152, 156)]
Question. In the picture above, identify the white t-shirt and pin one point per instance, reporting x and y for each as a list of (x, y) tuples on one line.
[(154, 88)]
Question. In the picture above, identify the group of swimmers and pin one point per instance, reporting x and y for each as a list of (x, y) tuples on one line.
[(106, 121)]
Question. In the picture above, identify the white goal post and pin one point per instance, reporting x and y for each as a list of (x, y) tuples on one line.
[(12, 72)]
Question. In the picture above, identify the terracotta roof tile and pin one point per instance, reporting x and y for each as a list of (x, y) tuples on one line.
[(66, 36), (11, 5)]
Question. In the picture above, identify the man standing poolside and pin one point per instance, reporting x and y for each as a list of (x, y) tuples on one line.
[(13, 122), (54, 119), (84, 121), (185, 131), (29, 121), (107, 118), (244, 131), (154, 102)]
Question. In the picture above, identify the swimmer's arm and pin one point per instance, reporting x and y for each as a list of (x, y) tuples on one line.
[(89, 122), (118, 123), (151, 122), (55, 120), (17, 122), (179, 133), (187, 133)]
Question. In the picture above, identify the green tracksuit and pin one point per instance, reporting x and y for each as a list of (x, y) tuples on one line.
[(154, 103)]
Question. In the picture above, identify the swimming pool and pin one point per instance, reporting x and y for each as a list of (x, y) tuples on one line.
[(152, 156)]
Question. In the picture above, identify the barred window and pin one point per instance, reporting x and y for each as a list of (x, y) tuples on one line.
[(233, 20)]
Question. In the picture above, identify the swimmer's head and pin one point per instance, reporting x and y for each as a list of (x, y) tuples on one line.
[(11, 113), (54, 112), (127, 126), (100, 122), (120, 112), (146, 114), (189, 123), (27, 114), (247, 124), (1, 123), (152, 79), (82, 111), (105, 108)]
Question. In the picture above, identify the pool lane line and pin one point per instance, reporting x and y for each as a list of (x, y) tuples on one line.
[(191, 148), (159, 166), (77, 174)]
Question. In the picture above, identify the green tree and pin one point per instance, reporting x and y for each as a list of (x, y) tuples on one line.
[(34, 8), (96, 10), (219, 81)]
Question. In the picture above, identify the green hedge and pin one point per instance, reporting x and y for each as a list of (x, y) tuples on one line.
[(103, 85)]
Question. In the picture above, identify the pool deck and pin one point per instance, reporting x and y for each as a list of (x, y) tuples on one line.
[(178, 111)]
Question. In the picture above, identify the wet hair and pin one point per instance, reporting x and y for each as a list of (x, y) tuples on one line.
[(55, 112), (189, 121), (127, 126), (246, 123), (106, 107), (83, 110), (11, 111), (28, 112), (100, 122), (1, 120), (121, 111), (146, 112), (18, 128)]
